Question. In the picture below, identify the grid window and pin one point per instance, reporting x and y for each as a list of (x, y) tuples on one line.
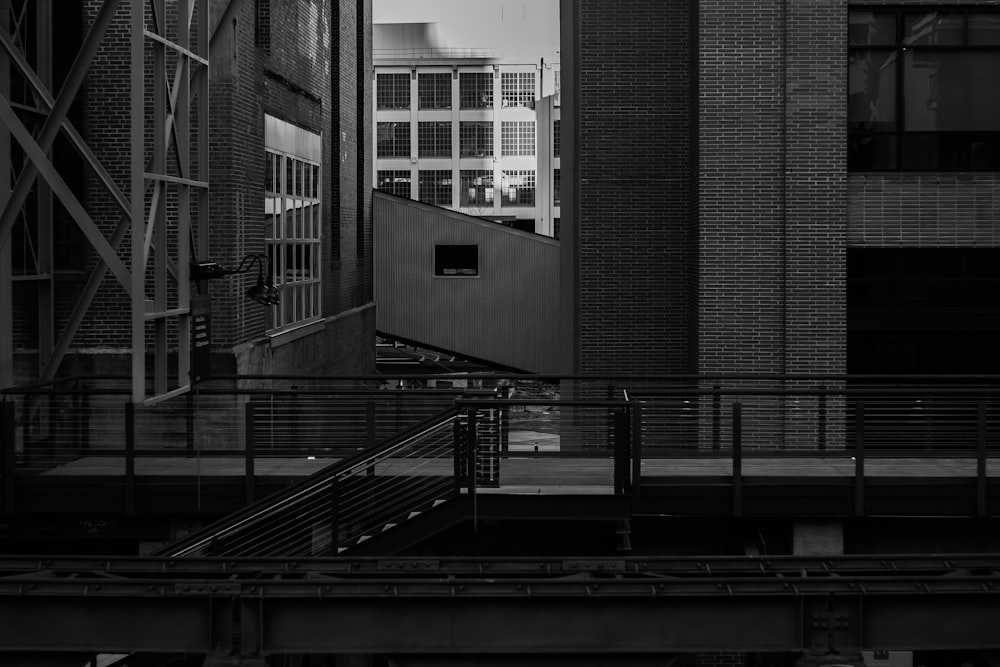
[(395, 182), (556, 187), (922, 93), (393, 139), (293, 210), (434, 139), (434, 91), (518, 89), (556, 138), (518, 188), (435, 187), (476, 187), (518, 137), (557, 101), (475, 90), (393, 91), (475, 138)]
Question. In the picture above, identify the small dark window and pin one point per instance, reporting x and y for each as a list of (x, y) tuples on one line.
[(456, 260)]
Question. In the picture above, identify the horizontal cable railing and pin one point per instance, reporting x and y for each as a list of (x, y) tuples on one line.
[(529, 432), (340, 504)]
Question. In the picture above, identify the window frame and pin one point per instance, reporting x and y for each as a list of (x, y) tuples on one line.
[(434, 139), (437, 96), (394, 93), (900, 146)]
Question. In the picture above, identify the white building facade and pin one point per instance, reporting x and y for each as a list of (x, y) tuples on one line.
[(469, 132)]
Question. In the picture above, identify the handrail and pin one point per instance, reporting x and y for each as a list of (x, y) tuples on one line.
[(303, 488)]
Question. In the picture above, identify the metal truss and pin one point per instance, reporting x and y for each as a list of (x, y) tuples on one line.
[(514, 606), (165, 216)]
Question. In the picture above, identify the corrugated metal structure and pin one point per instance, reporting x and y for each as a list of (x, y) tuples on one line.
[(469, 286)]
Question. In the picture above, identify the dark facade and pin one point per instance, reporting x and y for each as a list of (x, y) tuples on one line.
[(307, 66), (760, 216)]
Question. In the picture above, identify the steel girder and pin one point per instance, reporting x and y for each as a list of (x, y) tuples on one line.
[(518, 606), (175, 176)]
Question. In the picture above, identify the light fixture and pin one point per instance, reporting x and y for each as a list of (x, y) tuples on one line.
[(264, 292)]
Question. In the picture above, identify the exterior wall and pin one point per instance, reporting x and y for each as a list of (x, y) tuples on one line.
[(626, 222), (924, 210), (273, 57), (505, 315)]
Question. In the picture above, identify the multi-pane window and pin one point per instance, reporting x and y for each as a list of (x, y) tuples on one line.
[(476, 187), (922, 90), (434, 139), (293, 219), (435, 186), (434, 90), (396, 181), (393, 139), (518, 188), (556, 183), (475, 138), (556, 137), (557, 98), (518, 137), (393, 91), (475, 90), (518, 89)]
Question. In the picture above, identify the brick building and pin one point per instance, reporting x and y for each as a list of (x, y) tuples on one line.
[(813, 187), (290, 178)]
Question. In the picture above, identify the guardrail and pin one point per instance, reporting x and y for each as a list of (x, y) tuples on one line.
[(587, 432)]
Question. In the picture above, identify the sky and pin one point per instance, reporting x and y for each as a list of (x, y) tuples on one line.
[(508, 26)]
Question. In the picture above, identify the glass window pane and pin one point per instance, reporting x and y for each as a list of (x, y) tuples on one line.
[(921, 151), (872, 89), (984, 29), (872, 28), (948, 90), (315, 181), (940, 28)]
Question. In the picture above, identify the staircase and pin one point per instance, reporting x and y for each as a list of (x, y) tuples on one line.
[(375, 498)]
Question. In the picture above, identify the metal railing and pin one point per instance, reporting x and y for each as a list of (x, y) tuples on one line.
[(572, 434)]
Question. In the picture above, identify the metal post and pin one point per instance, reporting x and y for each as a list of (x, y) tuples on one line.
[(470, 454), (981, 479), (859, 459), (619, 443), (7, 460), (716, 418), (636, 456), (737, 459), (249, 451), (129, 458), (334, 516), (821, 419), (370, 423)]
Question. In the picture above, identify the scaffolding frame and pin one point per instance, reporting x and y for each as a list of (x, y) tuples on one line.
[(166, 217)]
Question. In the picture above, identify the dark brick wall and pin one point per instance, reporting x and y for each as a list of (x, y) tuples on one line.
[(633, 211)]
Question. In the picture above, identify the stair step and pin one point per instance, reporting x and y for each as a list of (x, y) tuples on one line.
[(414, 513), (363, 538), (388, 526), (341, 549), (438, 502)]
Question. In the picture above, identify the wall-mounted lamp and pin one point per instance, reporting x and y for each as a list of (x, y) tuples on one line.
[(264, 292)]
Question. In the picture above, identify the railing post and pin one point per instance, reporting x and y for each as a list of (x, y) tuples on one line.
[(716, 418), (821, 418), (981, 478), (129, 458), (636, 440), (189, 421), (737, 459), (370, 423), (249, 453), (620, 444), (859, 458), (473, 444), (334, 516), (7, 460)]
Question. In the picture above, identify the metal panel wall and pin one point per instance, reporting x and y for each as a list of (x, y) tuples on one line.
[(506, 315)]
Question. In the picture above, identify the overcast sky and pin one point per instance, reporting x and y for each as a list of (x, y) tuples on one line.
[(529, 27)]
